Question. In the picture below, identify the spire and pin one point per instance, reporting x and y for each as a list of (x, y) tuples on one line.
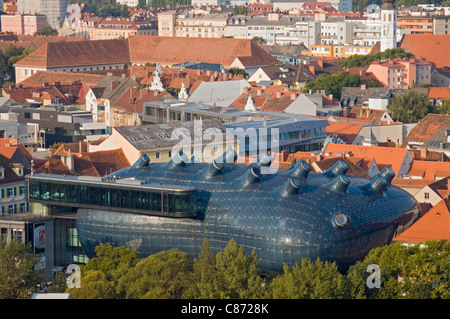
[(156, 82)]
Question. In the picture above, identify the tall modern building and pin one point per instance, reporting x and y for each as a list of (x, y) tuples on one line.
[(55, 10), (388, 25)]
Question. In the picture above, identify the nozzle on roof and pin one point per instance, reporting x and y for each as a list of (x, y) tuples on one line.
[(388, 174), (252, 176), (212, 169), (339, 184), (263, 160), (377, 184), (143, 161), (301, 169), (194, 159), (178, 160), (229, 157), (290, 187), (339, 168)]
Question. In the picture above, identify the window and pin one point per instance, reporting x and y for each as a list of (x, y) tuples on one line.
[(158, 155), (426, 195), (10, 192)]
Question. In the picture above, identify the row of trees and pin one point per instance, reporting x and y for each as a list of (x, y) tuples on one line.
[(333, 83), (359, 5), (390, 272), (106, 8), (365, 60), (404, 273)]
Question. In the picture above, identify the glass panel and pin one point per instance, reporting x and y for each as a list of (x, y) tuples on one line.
[(84, 194)]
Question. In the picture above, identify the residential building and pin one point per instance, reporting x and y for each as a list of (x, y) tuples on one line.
[(441, 76), (23, 24), (294, 77), (438, 94), (200, 3), (166, 23), (401, 73), (14, 165), (274, 99), (27, 134), (435, 191), (200, 25), (101, 98), (55, 10), (114, 28), (57, 123), (432, 133)]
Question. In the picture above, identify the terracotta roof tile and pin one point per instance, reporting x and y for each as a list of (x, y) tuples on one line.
[(427, 127), (434, 225), (434, 48), (384, 156)]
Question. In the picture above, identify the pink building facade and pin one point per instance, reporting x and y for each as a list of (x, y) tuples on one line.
[(23, 24), (401, 73)]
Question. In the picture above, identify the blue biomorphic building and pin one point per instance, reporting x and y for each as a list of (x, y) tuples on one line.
[(284, 215)]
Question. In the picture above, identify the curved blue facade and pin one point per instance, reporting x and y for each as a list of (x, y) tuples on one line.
[(284, 217)]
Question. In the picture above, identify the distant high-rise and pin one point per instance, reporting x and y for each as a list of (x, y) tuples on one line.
[(55, 10), (388, 25)]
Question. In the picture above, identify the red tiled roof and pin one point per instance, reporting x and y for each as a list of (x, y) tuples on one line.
[(346, 131), (79, 53), (430, 170), (434, 48), (434, 225), (426, 128), (384, 156), (41, 77), (172, 50), (439, 93)]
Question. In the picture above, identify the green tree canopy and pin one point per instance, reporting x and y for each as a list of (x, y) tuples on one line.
[(310, 280), (444, 108), (259, 40), (18, 277), (409, 107), (160, 276), (333, 83), (407, 272), (48, 30), (365, 60)]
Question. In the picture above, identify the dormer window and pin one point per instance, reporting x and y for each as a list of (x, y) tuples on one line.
[(17, 168), (2, 172)]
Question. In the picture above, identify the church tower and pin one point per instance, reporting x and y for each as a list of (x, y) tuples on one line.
[(388, 25)]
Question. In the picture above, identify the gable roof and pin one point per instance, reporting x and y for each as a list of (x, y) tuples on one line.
[(98, 163), (434, 48), (439, 93), (143, 49), (173, 50), (78, 53), (434, 225), (347, 131), (430, 170), (384, 156), (426, 128)]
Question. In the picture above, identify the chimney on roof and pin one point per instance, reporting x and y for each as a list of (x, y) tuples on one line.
[(259, 91), (363, 86), (312, 69), (278, 94), (423, 153), (293, 96), (109, 74), (56, 83)]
